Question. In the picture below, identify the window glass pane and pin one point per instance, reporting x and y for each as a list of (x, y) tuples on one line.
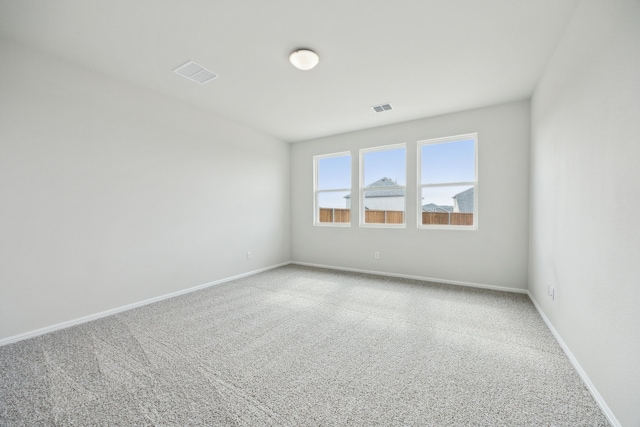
[(334, 206), (390, 165), (381, 199), (334, 172), (383, 216), (448, 162), (448, 205)]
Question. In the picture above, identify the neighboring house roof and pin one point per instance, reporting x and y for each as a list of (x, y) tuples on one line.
[(376, 189), (432, 207), (464, 201)]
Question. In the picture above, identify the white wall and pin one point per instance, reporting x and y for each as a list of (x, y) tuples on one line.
[(110, 195), (495, 254), (585, 197)]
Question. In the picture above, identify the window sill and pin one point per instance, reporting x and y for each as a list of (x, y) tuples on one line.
[(448, 227), (383, 225)]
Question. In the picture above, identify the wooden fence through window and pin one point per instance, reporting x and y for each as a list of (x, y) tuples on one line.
[(370, 216), (383, 217), (396, 217), (447, 218), (335, 215)]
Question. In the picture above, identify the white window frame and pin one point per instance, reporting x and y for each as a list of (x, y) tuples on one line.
[(361, 215), (316, 191), (474, 183)]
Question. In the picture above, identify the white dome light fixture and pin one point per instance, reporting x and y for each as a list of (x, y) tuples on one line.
[(304, 59)]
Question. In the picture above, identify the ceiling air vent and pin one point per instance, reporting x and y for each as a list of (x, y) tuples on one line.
[(382, 107), (195, 72)]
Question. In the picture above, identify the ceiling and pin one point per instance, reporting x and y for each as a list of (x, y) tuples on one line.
[(425, 57)]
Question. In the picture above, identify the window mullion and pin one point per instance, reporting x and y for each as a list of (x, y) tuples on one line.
[(448, 184), (333, 190)]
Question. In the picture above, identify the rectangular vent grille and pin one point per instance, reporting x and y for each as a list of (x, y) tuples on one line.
[(195, 72), (382, 108)]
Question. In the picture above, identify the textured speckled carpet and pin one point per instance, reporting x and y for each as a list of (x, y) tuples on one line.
[(301, 346)]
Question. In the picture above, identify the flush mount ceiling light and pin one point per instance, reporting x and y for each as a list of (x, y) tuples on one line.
[(304, 59)]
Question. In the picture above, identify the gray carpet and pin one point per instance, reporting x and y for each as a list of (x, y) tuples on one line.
[(299, 346)]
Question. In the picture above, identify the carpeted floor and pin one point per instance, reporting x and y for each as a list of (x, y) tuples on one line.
[(299, 346)]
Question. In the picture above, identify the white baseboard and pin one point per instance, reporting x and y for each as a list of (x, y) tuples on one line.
[(407, 276), (73, 322), (587, 381)]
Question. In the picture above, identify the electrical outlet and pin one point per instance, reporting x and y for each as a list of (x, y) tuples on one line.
[(248, 255), (376, 255)]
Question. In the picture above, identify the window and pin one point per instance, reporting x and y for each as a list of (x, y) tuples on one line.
[(383, 172), (448, 183), (332, 186)]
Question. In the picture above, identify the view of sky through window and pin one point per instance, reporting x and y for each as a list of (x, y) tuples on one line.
[(334, 172), (386, 163), (448, 162)]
